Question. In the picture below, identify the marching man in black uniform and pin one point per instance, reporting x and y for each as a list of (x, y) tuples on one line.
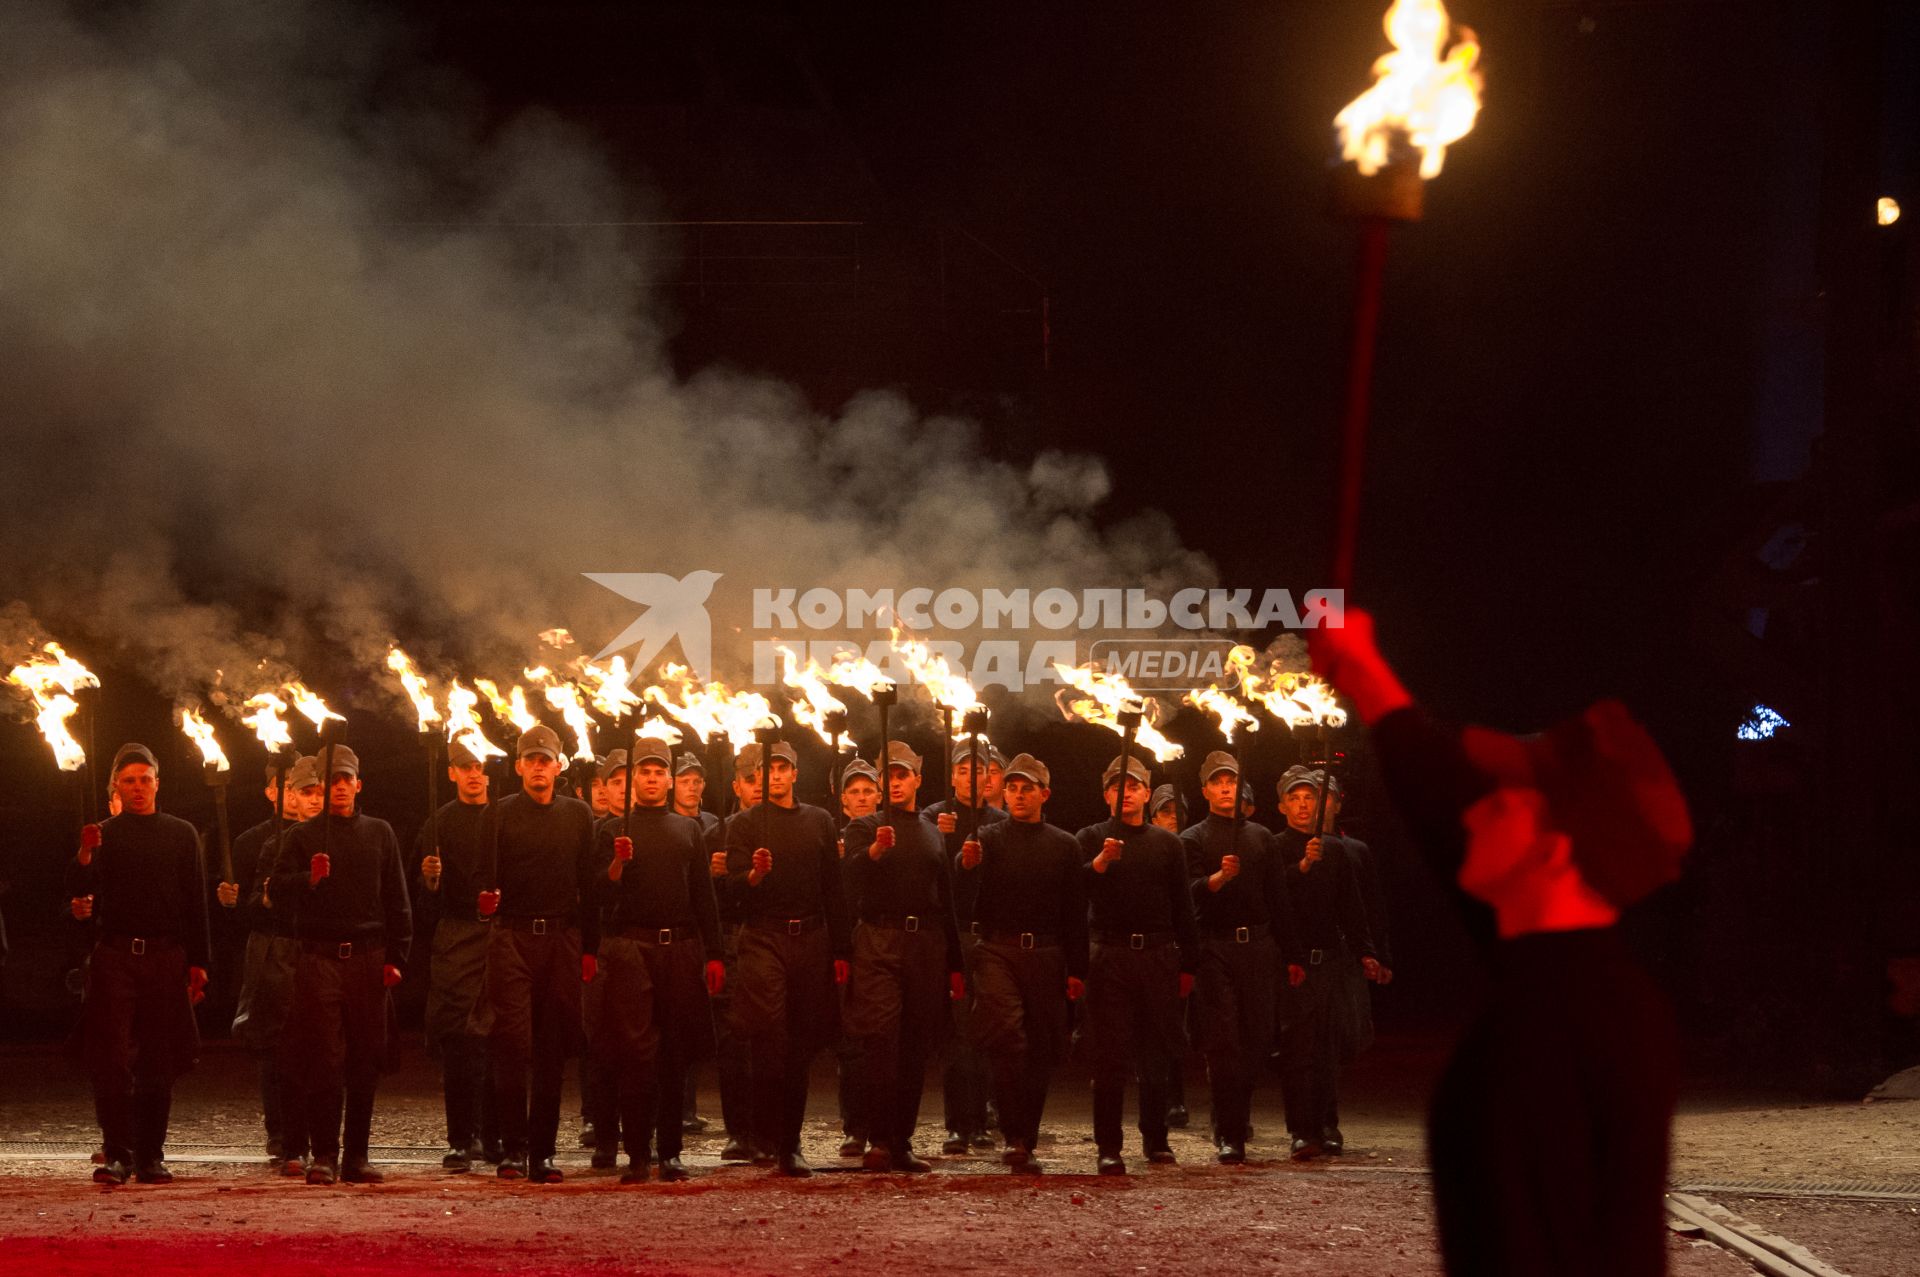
[(543, 947), (453, 857), (272, 951), (663, 962), (733, 1069), (859, 796), (1144, 949), (783, 869), (965, 1081), (906, 958), (339, 877), (1332, 930), (138, 873), (1021, 889), (1246, 927)]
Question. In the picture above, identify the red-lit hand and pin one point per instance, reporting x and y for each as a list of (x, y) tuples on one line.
[(1296, 975), (1076, 988), (716, 977), (589, 968), (957, 986), (762, 866), (883, 839), (970, 854), (487, 902), (318, 868), (228, 894), (389, 975), (82, 907), (196, 986), (948, 822), (840, 970), (1186, 984), (89, 839)]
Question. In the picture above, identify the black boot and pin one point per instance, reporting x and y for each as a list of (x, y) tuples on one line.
[(151, 1110)]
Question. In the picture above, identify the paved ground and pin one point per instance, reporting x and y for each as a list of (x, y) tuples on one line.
[(1369, 1212)]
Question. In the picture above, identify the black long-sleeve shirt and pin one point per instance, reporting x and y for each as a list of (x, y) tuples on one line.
[(805, 878), (667, 883), (362, 899), (1030, 878), (912, 877), (546, 864), (1255, 897), (1326, 898), (962, 814), (146, 881), (1145, 890), (463, 831), (1366, 869), (253, 855)]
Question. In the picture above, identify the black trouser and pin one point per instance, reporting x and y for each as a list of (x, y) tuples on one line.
[(334, 1043), (785, 1010), (533, 987), (733, 1072), (1133, 1009), (1020, 1025), (966, 1079), (600, 1105), (847, 1051), (468, 1081), (140, 1036), (649, 1030), (1310, 1064), (897, 1012), (1232, 1012)]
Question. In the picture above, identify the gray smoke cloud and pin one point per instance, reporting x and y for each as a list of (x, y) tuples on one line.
[(277, 384)]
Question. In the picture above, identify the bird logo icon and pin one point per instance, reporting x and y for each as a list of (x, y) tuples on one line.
[(676, 609)]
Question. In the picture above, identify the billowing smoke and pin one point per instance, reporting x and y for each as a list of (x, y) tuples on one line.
[(278, 385)]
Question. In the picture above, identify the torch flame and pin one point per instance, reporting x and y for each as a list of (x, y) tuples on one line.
[(566, 699), (711, 709), (1228, 712), (556, 638), (38, 676), (811, 682), (200, 732), (267, 723), (610, 687), (423, 707), (309, 703), (852, 669), (1098, 697), (948, 689), (511, 708), (463, 724), (1420, 94), (1298, 700)]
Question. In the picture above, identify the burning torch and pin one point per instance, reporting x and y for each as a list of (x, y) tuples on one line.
[(1424, 98), (52, 679), (885, 697), (214, 767), (836, 725), (767, 736), (1129, 720)]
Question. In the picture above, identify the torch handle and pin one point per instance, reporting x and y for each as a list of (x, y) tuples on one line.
[(226, 841), (1120, 781), (1370, 270), (633, 752), (946, 747), (973, 785), (833, 770), (326, 801), (886, 749)]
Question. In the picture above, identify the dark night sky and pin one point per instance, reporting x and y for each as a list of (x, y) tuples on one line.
[(1567, 414)]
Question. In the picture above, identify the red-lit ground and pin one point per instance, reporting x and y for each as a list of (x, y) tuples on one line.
[(1364, 1214)]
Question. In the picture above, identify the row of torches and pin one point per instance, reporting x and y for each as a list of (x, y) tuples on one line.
[(51, 679)]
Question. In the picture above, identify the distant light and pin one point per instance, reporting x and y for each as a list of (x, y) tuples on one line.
[(1889, 210), (1761, 724)]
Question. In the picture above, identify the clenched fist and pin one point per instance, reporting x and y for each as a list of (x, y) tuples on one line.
[(319, 867), (89, 839), (948, 822), (957, 986), (762, 866), (716, 977), (228, 894), (196, 986), (589, 968), (1229, 870), (1076, 988), (970, 854), (840, 970), (1296, 974), (1109, 852), (82, 907), (389, 975), (717, 864), (882, 842), (430, 869), (1186, 984), (623, 848), (488, 901)]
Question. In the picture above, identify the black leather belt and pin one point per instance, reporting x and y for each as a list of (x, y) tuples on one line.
[(911, 922), (1137, 939), (342, 949), (789, 926), (138, 946), (1238, 935), (658, 935), (1022, 939), (536, 926)]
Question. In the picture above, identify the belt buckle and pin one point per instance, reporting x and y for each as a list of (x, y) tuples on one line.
[(912, 922), (1316, 956), (138, 948), (1026, 940), (973, 928), (346, 949), (1242, 935), (666, 935), (539, 926), (1137, 940), (793, 926)]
